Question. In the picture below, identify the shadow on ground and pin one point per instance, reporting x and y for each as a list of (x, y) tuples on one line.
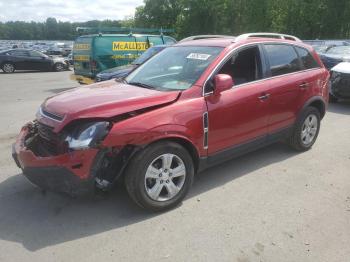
[(39, 220), (341, 107)]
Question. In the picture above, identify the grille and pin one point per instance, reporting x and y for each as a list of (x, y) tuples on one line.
[(51, 115), (49, 141)]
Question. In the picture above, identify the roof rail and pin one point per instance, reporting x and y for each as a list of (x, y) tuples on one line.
[(268, 35), (128, 30), (199, 37)]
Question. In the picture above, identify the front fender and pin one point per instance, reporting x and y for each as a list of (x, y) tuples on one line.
[(143, 137)]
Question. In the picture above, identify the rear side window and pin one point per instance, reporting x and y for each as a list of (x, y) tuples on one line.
[(19, 53), (282, 58), (307, 60)]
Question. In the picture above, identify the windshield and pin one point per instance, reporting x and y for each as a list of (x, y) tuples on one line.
[(147, 54), (339, 50), (175, 68)]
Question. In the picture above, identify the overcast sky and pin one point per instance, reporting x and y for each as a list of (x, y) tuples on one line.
[(66, 10)]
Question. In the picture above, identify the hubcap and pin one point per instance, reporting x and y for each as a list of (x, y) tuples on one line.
[(8, 68), (309, 130), (165, 177), (59, 67)]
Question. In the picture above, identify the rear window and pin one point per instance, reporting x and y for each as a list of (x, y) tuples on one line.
[(282, 58), (307, 59)]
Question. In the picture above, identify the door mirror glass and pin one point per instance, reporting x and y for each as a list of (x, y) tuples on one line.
[(222, 82)]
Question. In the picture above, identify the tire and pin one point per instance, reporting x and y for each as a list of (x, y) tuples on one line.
[(333, 99), (148, 173), (58, 67), (8, 67), (306, 130)]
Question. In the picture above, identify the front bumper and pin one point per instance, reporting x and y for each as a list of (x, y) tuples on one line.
[(340, 86), (69, 173)]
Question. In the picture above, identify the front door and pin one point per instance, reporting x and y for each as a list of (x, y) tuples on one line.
[(239, 115)]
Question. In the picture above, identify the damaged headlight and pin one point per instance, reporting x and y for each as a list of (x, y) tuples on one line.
[(87, 135)]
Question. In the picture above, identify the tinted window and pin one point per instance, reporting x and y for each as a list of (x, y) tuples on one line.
[(307, 59), (283, 59), (19, 53), (36, 54)]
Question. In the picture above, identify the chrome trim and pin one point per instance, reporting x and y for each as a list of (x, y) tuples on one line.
[(205, 129), (248, 44), (47, 116)]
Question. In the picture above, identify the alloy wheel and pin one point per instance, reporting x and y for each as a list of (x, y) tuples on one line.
[(165, 177), (309, 129), (8, 68)]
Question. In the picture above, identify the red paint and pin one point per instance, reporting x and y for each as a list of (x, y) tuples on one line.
[(236, 115)]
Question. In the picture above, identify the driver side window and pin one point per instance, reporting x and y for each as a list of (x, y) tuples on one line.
[(243, 66)]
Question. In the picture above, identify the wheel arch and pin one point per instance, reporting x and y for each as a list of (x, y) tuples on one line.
[(317, 102), (187, 144)]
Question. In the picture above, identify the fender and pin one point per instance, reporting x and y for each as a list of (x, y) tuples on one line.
[(317, 101)]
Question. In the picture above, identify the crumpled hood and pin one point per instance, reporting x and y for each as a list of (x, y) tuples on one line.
[(101, 100)]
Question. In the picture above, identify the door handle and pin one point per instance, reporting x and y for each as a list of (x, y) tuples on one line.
[(304, 85), (264, 96)]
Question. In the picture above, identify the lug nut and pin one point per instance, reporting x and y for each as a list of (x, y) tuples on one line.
[(160, 175), (167, 181), (161, 181)]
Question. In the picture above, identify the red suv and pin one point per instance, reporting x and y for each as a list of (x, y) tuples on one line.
[(191, 106)]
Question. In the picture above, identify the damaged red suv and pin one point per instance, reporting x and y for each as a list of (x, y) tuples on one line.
[(192, 106)]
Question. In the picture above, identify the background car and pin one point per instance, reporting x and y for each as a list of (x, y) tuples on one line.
[(321, 49), (335, 55), (340, 82), (122, 71), (27, 59)]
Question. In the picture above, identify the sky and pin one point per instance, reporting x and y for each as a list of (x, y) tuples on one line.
[(66, 10)]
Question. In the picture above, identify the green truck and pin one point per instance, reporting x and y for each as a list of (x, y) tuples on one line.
[(93, 53)]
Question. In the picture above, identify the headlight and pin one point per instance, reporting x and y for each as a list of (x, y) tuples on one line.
[(87, 135)]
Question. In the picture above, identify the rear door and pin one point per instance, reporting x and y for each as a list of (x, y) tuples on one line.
[(21, 59), (286, 85)]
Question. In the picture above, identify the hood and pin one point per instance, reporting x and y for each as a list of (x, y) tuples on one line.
[(336, 57), (343, 68), (101, 100)]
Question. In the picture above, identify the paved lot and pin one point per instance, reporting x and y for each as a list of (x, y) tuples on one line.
[(270, 205)]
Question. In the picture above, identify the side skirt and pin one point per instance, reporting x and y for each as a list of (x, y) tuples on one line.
[(242, 149)]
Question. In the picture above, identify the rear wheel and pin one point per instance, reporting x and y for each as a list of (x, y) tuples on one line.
[(58, 67), (8, 67), (159, 177), (306, 130)]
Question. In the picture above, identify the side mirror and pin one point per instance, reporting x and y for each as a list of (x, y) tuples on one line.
[(222, 82)]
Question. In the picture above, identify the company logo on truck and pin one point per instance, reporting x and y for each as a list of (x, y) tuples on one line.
[(130, 46), (81, 46)]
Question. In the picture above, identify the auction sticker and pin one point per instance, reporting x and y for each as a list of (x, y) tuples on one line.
[(198, 56)]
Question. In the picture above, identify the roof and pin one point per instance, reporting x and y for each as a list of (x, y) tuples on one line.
[(225, 42)]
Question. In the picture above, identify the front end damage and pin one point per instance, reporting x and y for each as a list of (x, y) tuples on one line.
[(47, 160)]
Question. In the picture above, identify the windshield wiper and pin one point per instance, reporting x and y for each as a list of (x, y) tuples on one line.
[(141, 85)]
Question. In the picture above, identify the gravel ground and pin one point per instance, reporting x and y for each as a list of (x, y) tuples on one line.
[(271, 205)]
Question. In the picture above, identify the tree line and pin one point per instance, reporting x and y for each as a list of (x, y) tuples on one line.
[(307, 19)]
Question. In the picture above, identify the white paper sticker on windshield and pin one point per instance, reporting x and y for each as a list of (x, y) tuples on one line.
[(198, 56)]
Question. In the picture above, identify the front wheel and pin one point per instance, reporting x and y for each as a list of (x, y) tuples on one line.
[(58, 67), (159, 177), (306, 130)]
